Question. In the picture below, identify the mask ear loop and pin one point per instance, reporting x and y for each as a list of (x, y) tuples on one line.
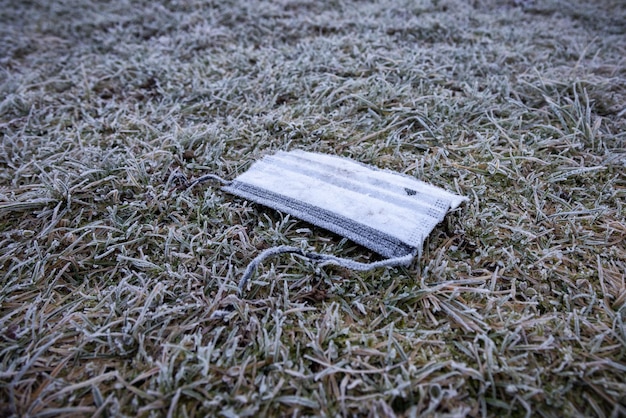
[(207, 177), (324, 259)]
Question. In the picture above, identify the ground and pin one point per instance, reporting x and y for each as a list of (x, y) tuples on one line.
[(118, 287)]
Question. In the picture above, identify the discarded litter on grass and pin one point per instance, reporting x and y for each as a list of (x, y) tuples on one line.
[(387, 212)]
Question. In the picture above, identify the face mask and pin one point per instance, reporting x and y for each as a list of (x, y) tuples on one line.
[(389, 213)]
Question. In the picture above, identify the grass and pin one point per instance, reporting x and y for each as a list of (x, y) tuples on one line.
[(118, 290)]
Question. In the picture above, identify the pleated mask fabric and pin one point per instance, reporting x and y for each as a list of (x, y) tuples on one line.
[(387, 212)]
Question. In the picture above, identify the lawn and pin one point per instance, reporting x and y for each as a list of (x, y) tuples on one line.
[(118, 285)]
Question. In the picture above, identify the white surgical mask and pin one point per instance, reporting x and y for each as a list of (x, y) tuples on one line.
[(389, 213)]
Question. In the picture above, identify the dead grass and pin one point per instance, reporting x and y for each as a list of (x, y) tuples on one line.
[(118, 290)]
